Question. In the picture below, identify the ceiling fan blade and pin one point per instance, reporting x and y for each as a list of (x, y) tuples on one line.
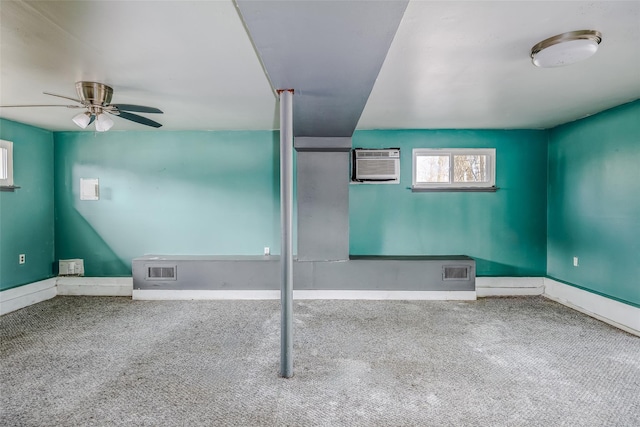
[(136, 108), (62, 96), (91, 120), (138, 119), (41, 105)]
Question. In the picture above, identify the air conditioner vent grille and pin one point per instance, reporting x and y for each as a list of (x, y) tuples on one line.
[(377, 153), (380, 167)]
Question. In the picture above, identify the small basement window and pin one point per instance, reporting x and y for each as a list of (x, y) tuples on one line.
[(6, 163), (458, 169)]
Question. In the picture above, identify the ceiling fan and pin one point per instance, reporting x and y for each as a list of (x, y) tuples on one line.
[(96, 99)]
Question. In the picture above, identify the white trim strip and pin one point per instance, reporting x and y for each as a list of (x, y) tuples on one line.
[(152, 294), (615, 313), (156, 294), (620, 315), (509, 286), (26, 295), (308, 294), (95, 286)]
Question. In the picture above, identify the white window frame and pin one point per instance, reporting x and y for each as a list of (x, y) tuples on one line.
[(6, 157), (451, 152)]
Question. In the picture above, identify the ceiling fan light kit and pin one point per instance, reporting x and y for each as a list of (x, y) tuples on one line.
[(103, 122), (82, 119), (566, 48)]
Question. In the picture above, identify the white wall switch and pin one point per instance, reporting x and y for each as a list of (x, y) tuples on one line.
[(575, 261)]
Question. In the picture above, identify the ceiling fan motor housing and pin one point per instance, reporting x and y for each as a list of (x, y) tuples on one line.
[(94, 93)]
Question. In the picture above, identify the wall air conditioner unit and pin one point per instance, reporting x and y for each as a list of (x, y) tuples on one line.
[(376, 165)]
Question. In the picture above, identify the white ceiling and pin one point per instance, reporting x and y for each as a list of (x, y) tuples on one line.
[(452, 64)]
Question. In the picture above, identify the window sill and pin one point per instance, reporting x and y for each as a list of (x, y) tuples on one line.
[(8, 188), (454, 189)]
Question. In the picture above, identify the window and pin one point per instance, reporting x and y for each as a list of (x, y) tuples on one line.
[(470, 169), (6, 163)]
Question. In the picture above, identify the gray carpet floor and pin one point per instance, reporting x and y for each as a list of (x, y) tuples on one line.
[(76, 361)]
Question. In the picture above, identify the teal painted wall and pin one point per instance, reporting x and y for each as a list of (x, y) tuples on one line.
[(180, 193), (505, 231), (594, 203), (26, 215), (218, 193)]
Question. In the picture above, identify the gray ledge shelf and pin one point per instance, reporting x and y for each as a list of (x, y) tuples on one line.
[(9, 188)]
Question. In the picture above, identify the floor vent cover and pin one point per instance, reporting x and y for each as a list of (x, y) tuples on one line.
[(450, 272), (161, 272)]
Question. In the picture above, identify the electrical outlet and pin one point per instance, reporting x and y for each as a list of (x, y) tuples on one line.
[(22, 259), (267, 251), (575, 261)]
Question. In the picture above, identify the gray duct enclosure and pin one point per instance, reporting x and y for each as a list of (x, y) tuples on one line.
[(423, 273), (323, 261), (330, 52), (323, 198)]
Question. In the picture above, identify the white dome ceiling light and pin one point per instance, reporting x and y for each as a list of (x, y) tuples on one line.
[(566, 48)]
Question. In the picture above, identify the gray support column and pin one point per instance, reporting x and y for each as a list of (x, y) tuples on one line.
[(286, 221)]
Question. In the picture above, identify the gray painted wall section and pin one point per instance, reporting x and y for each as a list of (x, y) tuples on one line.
[(323, 199), (260, 273), (330, 52), (305, 143)]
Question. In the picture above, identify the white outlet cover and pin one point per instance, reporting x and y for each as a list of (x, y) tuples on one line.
[(89, 189)]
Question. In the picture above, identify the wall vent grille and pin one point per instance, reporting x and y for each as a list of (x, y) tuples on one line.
[(454, 272), (161, 272)]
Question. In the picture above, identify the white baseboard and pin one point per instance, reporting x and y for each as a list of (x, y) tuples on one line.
[(95, 286), (24, 296), (509, 286), (308, 294), (156, 294), (615, 313), (152, 294), (620, 315)]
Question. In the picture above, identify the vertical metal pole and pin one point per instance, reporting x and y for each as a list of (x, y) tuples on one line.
[(286, 222)]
